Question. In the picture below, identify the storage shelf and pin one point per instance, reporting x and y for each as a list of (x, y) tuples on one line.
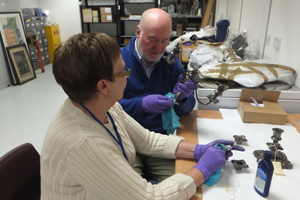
[(139, 2), (96, 6), (126, 20), (127, 36), (187, 16), (98, 22), (119, 16)]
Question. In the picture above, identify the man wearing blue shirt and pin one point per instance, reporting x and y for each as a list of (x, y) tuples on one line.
[(151, 79)]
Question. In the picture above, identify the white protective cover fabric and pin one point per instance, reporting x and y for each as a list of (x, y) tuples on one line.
[(208, 60)]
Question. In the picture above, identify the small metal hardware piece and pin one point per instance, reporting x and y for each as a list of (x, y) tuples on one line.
[(239, 164), (240, 138)]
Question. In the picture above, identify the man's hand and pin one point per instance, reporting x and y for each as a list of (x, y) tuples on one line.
[(185, 89), (156, 103)]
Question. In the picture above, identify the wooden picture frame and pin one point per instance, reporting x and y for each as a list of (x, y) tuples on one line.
[(12, 33), (21, 63)]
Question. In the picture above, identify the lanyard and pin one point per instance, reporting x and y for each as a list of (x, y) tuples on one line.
[(119, 141)]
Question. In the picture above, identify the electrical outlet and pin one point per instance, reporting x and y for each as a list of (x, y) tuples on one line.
[(277, 43), (268, 39)]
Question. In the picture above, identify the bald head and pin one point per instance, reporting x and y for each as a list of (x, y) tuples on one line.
[(155, 18), (153, 34)]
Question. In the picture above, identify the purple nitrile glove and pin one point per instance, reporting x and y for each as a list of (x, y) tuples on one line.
[(212, 159), (156, 103), (185, 89), (200, 149)]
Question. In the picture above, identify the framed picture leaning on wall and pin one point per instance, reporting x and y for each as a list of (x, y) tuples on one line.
[(21, 63), (12, 33)]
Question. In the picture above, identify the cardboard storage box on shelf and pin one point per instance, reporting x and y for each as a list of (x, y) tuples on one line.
[(96, 19), (126, 40), (95, 16), (105, 11), (106, 18), (95, 13), (87, 15), (179, 29), (269, 111)]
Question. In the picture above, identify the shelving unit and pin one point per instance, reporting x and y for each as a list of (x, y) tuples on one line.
[(130, 11), (34, 25), (120, 26), (187, 20), (125, 17), (103, 17)]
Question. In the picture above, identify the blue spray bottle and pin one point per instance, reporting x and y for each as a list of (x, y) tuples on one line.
[(264, 175)]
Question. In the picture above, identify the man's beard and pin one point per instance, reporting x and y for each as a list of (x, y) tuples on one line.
[(146, 56)]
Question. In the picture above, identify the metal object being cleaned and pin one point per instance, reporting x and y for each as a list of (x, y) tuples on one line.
[(276, 134), (194, 75), (240, 139), (173, 54), (239, 164), (274, 146), (280, 157)]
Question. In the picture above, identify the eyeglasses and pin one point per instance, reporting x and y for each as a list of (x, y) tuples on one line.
[(125, 73)]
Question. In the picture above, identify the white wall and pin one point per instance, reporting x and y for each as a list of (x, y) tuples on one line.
[(29, 3), (254, 19), (249, 15), (66, 14), (284, 23), (273, 18)]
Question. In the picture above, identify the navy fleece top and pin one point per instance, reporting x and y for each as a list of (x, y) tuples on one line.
[(139, 86)]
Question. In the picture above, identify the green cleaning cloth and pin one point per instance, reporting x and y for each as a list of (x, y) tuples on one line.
[(170, 120)]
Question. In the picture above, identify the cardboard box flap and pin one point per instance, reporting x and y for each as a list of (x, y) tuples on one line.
[(259, 95)]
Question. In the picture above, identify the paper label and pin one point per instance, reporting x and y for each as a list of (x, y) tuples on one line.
[(198, 194), (278, 168)]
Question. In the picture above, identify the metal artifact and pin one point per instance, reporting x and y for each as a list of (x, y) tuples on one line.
[(239, 164), (240, 138), (275, 147), (195, 76)]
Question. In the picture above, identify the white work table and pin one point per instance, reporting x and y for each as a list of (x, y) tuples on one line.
[(240, 184)]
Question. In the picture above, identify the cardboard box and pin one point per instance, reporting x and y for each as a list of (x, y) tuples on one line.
[(95, 13), (105, 11), (179, 29), (184, 48), (126, 40), (270, 113), (106, 18), (87, 18), (96, 19), (86, 11)]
